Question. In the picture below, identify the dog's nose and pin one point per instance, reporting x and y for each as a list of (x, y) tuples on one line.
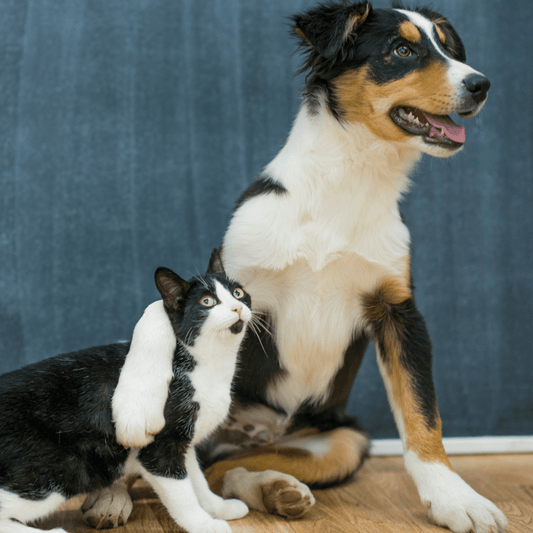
[(478, 86)]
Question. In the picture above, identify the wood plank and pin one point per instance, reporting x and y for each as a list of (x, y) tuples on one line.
[(381, 499), (143, 519), (520, 516)]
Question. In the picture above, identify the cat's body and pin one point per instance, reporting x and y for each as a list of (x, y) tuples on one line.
[(57, 437)]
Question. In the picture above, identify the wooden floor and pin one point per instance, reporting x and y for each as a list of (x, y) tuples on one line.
[(381, 499)]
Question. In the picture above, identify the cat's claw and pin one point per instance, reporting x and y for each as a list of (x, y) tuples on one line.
[(108, 508)]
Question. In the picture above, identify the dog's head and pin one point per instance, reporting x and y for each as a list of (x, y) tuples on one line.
[(399, 72)]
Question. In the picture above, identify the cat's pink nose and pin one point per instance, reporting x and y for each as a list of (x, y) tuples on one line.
[(238, 310)]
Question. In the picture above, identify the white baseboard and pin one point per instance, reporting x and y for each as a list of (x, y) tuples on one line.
[(462, 445)]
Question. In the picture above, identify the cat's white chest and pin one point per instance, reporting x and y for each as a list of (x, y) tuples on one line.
[(212, 385)]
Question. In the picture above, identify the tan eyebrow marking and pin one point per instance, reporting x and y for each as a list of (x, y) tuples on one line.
[(409, 31), (440, 33)]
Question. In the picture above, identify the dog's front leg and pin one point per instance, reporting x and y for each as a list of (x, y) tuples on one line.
[(404, 358)]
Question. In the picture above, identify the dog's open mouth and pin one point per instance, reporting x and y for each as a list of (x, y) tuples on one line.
[(434, 129)]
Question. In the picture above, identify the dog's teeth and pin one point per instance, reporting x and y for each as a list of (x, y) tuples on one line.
[(410, 116), (401, 112), (417, 121)]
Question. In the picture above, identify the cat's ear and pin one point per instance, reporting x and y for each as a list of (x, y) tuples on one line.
[(171, 287), (215, 263)]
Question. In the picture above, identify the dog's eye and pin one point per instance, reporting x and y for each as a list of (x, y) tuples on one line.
[(238, 293), (403, 51), (207, 301)]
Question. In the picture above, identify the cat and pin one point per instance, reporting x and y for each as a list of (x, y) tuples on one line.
[(57, 438)]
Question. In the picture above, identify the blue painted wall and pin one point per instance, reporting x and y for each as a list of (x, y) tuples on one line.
[(128, 130)]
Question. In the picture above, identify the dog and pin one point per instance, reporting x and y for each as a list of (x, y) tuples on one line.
[(318, 241)]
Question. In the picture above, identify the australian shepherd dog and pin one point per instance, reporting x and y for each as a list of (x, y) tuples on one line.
[(319, 243)]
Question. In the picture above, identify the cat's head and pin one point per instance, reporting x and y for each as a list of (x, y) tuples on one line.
[(208, 305)]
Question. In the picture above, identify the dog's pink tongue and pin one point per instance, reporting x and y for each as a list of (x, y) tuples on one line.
[(441, 123)]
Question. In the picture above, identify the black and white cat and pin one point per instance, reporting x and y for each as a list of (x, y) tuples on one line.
[(57, 438)]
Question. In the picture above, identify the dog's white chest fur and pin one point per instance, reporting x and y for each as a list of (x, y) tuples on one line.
[(316, 315), (308, 255)]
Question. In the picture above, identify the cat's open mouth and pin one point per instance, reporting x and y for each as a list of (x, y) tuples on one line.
[(237, 327)]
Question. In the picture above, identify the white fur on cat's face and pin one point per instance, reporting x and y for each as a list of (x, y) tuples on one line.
[(226, 313)]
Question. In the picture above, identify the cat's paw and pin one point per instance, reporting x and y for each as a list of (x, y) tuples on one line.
[(211, 526), (269, 491), (137, 424), (108, 508), (230, 510)]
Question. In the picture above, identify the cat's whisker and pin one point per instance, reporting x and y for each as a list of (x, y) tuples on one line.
[(261, 320), (262, 324), (254, 328), (203, 282)]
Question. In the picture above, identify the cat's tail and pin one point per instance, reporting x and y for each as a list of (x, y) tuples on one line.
[(276, 479)]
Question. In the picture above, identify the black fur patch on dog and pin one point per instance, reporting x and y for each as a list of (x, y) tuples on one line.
[(415, 353), (334, 45), (263, 184), (259, 364)]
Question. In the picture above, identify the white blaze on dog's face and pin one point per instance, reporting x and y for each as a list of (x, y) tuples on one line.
[(398, 72)]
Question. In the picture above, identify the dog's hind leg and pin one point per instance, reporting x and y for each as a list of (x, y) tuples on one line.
[(110, 507), (276, 479)]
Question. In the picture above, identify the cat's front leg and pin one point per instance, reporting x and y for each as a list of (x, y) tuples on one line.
[(179, 498), (216, 506), (140, 397)]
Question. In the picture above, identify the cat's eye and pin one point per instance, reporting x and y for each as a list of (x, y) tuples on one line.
[(238, 293), (208, 301)]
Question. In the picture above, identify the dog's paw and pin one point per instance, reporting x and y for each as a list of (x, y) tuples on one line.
[(269, 491), (108, 508), (288, 498), (451, 502), (465, 511)]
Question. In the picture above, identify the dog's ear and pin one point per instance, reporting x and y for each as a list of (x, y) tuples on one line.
[(171, 287), (215, 263), (327, 27)]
